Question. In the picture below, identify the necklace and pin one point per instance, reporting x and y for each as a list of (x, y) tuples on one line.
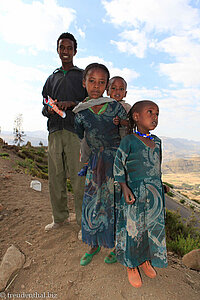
[(148, 135)]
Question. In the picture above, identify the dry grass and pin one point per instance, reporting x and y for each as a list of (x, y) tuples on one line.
[(187, 184)]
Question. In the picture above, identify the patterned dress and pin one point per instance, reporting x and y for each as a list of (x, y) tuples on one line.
[(140, 228), (102, 136)]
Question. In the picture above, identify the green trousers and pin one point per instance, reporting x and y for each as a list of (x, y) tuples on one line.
[(63, 161)]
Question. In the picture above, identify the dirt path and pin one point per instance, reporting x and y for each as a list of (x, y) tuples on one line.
[(53, 270)]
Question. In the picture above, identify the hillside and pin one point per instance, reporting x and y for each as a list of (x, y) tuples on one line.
[(52, 259), (182, 165), (179, 148), (172, 148)]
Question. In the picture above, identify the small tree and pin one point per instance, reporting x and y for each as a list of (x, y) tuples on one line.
[(18, 132)]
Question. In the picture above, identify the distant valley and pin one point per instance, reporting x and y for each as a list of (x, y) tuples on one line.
[(184, 153)]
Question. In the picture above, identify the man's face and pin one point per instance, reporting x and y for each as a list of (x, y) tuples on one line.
[(66, 50)]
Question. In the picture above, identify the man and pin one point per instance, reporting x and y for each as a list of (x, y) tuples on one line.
[(64, 86)]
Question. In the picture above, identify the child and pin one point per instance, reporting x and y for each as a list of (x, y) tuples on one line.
[(117, 89), (140, 228), (102, 136)]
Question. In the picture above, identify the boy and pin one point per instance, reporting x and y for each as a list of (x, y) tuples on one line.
[(64, 86), (117, 89)]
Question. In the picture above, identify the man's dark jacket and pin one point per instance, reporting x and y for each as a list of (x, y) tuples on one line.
[(63, 87)]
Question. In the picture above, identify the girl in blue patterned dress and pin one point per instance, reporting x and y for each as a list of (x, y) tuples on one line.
[(140, 228), (102, 136)]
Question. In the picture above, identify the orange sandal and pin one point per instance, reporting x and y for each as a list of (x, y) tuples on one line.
[(134, 277), (148, 269)]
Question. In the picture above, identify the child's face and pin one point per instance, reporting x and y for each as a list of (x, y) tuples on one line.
[(147, 118), (95, 82), (117, 89)]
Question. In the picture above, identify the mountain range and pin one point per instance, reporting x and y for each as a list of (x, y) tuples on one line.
[(173, 148)]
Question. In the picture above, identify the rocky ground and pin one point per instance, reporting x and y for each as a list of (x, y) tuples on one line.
[(52, 269)]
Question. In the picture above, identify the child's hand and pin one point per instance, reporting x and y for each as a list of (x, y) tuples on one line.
[(166, 188), (65, 104), (128, 195), (116, 120), (124, 123)]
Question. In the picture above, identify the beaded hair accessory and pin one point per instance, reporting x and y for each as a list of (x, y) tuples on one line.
[(148, 135)]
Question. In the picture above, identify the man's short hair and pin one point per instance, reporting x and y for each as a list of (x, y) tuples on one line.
[(67, 35)]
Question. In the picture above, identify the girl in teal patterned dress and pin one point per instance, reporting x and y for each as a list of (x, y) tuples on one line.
[(140, 228), (102, 136)]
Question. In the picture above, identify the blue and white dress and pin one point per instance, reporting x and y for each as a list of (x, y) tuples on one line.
[(102, 136), (140, 228)]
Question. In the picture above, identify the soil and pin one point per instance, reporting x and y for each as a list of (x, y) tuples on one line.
[(52, 269)]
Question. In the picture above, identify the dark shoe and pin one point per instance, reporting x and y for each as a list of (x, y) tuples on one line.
[(83, 171)]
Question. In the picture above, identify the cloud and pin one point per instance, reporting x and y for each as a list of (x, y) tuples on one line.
[(179, 110), (21, 89), (127, 74), (81, 32), (171, 27), (36, 25), (185, 51), (135, 43), (152, 15)]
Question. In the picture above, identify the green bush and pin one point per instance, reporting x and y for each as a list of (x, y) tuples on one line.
[(182, 245), (3, 155), (182, 201), (34, 161), (169, 184), (41, 152), (170, 194), (69, 186), (185, 195), (181, 237)]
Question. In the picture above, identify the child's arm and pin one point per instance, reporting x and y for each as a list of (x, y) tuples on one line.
[(128, 195), (166, 188)]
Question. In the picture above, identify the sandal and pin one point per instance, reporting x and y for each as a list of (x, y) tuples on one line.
[(87, 257), (110, 259)]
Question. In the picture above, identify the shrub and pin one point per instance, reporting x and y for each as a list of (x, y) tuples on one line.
[(182, 201), (169, 184), (185, 195), (181, 237), (3, 155), (69, 186), (170, 194), (182, 245)]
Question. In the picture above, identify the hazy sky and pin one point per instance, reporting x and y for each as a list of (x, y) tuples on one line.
[(153, 44)]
